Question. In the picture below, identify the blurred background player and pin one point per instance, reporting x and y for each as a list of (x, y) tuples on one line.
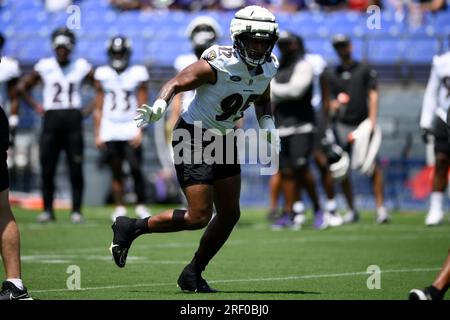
[(12, 287), (292, 90), (9, 77), (438, 288), (354, 98), (62, 125), (433, 117), (120, 89), (333, 162)]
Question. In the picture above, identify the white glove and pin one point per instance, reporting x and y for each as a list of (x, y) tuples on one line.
[(147, 114), (266, 122)]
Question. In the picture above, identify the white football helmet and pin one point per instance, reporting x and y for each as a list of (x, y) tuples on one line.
[(203, 32), (253, 22)]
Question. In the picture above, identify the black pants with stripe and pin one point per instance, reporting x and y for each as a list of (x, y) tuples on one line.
[(62, 131)]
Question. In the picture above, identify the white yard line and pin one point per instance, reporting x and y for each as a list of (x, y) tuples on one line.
[(317, 276)]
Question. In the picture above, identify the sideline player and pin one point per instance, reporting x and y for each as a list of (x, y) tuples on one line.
[(120, 87), (433, 118), (62, 125)]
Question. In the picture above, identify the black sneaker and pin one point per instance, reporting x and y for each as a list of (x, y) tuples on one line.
[(418, 294), (190, 281), (429, 293), (11, 292), (123, 230)]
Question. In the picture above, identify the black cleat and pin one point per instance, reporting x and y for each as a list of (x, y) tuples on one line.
[(123, 230), (190, 281), (11, 292), (417, 294)]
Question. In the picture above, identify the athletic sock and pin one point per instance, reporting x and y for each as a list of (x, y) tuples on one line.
[(331, 205), (435, 293), (436, 199), (17, 282), (141, 226)]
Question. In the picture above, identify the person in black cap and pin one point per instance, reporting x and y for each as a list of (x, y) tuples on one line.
[(353, 99), (62, 117)]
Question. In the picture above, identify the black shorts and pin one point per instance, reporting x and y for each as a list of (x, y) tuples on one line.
[(193, 168), (441, 137), (119, 150), (296, 150), (4, 143)]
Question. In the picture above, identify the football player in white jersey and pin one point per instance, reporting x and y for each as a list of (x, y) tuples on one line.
[(9, 100), (433, 118), (120, 88), (226, 80), (62, 126)]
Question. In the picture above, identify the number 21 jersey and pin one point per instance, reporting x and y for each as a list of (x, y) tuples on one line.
[(62, 84)]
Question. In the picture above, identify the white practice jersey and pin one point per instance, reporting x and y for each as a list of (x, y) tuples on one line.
[(221, 104), (437, 94), (319, 64), (62, 84), (120, 101), (180, 63), (9, 69)]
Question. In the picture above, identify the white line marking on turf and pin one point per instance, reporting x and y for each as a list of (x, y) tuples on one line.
[(316, 276)]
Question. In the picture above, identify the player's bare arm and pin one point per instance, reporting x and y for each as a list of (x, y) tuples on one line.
[(264, 115), (98, 112), (373, 106), (89, 80), (142, 97), (24, 88), (13, 95), (262, 104), (190, 78)]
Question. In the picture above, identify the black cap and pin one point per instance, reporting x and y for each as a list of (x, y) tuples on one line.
[(340, 40)]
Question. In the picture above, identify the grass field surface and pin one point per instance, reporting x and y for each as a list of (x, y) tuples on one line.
[(256, 262)]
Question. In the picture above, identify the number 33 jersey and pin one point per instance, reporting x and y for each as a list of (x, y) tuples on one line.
[(119, 102), (219, 105), (62, 84)]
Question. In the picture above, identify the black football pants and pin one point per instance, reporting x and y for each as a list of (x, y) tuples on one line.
[(62, 130)]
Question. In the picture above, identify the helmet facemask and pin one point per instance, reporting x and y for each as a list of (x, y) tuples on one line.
[(119, 53), (255, 48)]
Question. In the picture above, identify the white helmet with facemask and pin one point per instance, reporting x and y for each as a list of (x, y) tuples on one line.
[(253, 22)]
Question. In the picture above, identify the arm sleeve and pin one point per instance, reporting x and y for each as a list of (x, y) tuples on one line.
[(39, 67), (429, 100), (15, 69), (142, 74), (297, 85)]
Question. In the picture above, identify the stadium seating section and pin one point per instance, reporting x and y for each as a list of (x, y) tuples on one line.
[(159, 36)]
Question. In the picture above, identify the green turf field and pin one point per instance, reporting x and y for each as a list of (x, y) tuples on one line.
[(255, 263)]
